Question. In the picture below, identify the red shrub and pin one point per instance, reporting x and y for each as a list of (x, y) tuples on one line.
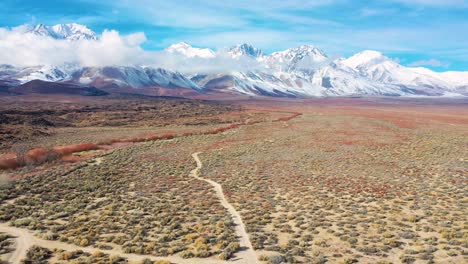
[(108, 142), (189, 133), (167, 136), (64, 150), (8, 162), (40, 155), (163, 136), (287, 118)]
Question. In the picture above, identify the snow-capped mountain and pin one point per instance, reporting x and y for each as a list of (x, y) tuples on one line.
[(185, 49), (380, 68), (123, 76), (70, 32), (296, 72), (458, 79)]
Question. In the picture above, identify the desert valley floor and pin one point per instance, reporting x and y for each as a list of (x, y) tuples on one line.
[(158, 180)]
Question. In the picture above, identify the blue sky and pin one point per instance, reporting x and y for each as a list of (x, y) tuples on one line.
[(429, 33)]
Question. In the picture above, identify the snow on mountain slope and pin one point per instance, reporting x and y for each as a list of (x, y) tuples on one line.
[(74, 32), (330, 80), (167, 78), (364, 58), (456, 78), (303, 58), (122, 76), (380, 68), (307, 71), (70, 32), (41, 30), (136, 77), (297, 72), (45, 73), (256, 83), (245, 50), (340, 79), (189, 51)]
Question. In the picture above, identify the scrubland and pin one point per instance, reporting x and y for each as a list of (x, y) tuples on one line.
[(337, 184), (343, 188)]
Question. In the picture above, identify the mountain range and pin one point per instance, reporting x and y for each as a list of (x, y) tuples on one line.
[(297, 72)]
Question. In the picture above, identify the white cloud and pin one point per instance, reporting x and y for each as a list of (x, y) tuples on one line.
[(112, 49), (259, 38), (429, 62), (369, 12), (434, 3), (221, 63), (22, 49)]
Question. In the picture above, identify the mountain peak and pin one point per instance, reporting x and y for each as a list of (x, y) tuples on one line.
[(181, 44), (187, 50), (371, 53), (308, 47), (365, 57), (39, 27), (74, 31), (303, 51), (245, 50), (71, 31), (42, 30), (303, 58), (313, 51)]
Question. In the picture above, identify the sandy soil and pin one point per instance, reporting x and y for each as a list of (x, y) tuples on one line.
[(25, 239)]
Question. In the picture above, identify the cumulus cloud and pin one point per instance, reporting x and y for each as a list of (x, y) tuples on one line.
[(111, 49), (20, 49), (430, 62), (223, 62)]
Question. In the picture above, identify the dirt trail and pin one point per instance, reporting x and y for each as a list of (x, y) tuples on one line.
[(22, 243), (25, 239), (247, 255)]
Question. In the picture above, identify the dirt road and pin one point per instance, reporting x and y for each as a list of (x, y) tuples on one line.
[(22, 243), (24, 239), (246, 256)]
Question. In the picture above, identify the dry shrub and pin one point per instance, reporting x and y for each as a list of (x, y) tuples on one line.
[(20, 151), (32, 157), (162, 262)]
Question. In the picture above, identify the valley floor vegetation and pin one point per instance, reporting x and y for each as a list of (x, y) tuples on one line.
[(340, 183)]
